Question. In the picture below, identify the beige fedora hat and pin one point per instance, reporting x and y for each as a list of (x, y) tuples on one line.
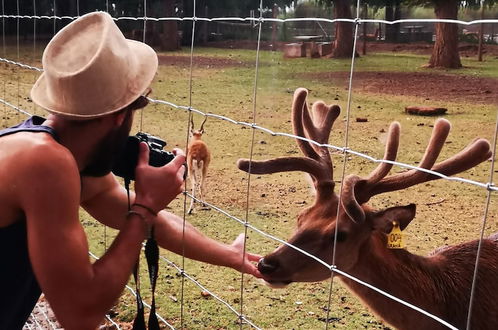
[(91, 69)]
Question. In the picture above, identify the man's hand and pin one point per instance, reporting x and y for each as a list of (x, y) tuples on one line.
[(248, 266), (156, 187)]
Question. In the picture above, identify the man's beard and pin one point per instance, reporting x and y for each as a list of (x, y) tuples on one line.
[(104, 156)]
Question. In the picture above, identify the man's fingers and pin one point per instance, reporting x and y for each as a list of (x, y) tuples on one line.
[(178, 151), (254, 257), (178, 161), (254, 272), (143, 154)]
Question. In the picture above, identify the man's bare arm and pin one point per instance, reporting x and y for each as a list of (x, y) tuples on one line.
[(102, 197)]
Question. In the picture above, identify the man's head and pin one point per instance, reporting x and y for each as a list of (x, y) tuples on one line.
[(92, 70), (104, 156)]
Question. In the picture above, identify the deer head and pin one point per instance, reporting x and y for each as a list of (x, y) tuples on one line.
[(346, 218), (197, 134)]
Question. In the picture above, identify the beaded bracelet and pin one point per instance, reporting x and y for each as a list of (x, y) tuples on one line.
[(151, 211)]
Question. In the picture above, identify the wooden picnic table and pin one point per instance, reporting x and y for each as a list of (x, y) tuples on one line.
[(310, 43)]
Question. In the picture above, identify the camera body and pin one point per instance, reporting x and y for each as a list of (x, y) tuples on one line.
[(127, 161)]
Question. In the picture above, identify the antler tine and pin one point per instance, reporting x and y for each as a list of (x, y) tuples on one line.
[(283, 164), (391, 151), (300, 109), (354, 185), (202, 125), (357, 191), (378, 182), (474, 154), (314, 126)]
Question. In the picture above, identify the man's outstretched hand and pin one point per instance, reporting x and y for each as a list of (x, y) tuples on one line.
[(248, 265)]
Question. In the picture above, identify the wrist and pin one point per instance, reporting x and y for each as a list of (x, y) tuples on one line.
[(141, 217), (146, 204), (145, 207), (234, 258)]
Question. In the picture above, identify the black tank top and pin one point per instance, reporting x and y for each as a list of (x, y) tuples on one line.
[(19, 290)]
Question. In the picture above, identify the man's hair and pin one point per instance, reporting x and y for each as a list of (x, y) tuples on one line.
[(141, 102)]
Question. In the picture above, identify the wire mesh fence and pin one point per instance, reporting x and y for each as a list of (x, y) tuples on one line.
[(182, 93)]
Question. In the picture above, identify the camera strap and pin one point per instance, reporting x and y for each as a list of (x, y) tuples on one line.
[(152, 257)]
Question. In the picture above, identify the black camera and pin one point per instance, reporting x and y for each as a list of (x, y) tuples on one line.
[(127, 161)]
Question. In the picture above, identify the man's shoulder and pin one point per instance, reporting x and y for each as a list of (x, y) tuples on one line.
[(36, 151)]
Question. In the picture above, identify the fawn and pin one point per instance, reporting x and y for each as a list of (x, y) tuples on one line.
[(198, 158)]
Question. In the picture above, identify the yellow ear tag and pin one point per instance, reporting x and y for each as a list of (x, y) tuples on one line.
[(395, 237)]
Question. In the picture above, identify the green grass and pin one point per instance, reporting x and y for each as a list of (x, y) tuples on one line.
[(448, 212)]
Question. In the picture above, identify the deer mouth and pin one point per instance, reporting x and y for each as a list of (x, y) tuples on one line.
[(276, 284)]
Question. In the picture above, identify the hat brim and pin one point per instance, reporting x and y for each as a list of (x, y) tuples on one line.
[(146, 69)]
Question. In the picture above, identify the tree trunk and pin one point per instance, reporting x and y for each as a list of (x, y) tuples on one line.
[(343, 44), (365, 15), (393, 13), (169, 40), (445, 52), (389, 16), (481, 35), (274, 28)]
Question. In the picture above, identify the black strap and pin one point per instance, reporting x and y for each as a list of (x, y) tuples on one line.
[(139, 322), (152, 256)]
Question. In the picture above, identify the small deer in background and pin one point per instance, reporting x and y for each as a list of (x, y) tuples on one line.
[(198, 158), (440, 283)]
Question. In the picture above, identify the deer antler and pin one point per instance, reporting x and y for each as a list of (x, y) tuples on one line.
[(357, 191), (315, 126), (201, 130)]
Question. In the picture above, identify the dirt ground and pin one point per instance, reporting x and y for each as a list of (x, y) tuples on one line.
[(440, 86)]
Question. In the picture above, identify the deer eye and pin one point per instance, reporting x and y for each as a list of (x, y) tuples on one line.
[(341, 236)]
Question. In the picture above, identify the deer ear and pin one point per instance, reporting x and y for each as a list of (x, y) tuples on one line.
[(403, 215)]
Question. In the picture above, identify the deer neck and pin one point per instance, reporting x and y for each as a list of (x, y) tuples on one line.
[(404, 275)]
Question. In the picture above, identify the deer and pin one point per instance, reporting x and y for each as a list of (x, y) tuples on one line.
[(198, 159), (439, 283)]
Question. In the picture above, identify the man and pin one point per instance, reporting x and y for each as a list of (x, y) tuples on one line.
[(92, 84)]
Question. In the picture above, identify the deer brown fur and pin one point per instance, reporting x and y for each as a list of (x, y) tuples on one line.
[(439, 283), (198, 159)]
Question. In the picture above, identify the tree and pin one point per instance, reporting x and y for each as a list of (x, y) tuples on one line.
[(445, 52), (343, 43), (393, 12), (170, 28)]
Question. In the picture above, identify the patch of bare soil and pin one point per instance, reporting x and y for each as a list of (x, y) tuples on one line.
[(424, 48), (433, 86)]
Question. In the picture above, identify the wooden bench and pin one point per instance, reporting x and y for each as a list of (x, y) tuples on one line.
[(296, 49), (324, 48)]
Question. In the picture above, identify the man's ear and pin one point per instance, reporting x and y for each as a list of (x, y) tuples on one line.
[(403, 215), (120, 118)]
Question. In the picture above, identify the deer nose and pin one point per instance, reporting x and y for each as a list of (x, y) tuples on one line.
[(267, 266)]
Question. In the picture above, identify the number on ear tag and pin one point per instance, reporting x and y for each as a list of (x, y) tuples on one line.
[(395, 237)]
